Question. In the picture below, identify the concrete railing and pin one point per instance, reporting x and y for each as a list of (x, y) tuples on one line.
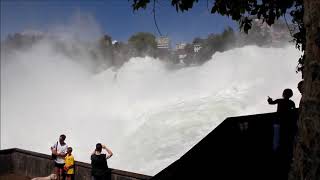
[(31, 164)]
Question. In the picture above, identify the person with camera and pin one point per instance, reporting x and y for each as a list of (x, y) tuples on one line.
[(100, 170), (59, 151)]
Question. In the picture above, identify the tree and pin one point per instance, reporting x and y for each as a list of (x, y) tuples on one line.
[(188, 49), (306, 163), (143, 44), (213, 43), (305, 15), (22, 41), (258, 34), (106, 49), (121, 53)]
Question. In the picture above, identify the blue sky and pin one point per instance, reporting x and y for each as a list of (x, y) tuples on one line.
[(115, 17)]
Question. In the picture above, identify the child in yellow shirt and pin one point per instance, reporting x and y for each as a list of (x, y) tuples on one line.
[(69, 164)]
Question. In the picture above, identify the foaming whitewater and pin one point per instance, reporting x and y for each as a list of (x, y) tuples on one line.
[(146, 113)]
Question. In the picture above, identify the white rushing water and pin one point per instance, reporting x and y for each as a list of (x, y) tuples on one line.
[(147, 114)]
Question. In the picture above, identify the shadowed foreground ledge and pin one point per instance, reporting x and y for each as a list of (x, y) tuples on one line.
[(240, 148)]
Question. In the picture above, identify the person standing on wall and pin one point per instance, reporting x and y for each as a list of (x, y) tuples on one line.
[(285, 105), (69, 165), (100, 169), (59, 151), (284, 130)]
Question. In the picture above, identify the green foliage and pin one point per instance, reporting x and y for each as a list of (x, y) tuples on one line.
[(139, 4), (143, 44), (120, 54), (183, 5), (21, 41), (106, 41), (244, 11), (257, 35), (214, 43), (105, 47)]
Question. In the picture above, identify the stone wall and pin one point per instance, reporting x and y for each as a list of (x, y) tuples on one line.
[(30, 164)]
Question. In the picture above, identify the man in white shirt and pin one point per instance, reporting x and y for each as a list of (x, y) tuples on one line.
[(59, 151)]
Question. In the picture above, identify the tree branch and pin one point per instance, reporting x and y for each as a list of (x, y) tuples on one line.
[(154, 17)]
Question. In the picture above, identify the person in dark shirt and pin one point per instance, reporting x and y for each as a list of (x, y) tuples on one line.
[(100, 170), (284, 104), (283, 131)]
